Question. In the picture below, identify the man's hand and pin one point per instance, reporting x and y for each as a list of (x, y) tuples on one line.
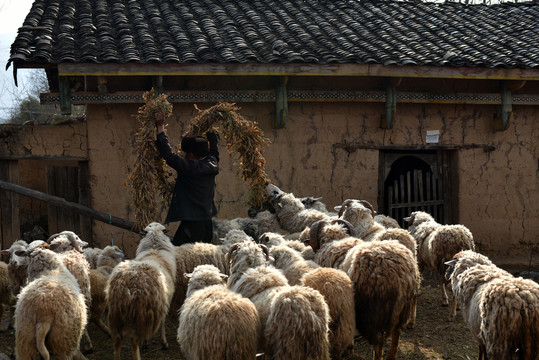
[(159, 119)]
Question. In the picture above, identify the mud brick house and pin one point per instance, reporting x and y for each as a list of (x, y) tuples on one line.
[(431, 106)]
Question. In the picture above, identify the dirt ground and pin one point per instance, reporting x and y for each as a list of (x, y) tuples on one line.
[(434, 337)]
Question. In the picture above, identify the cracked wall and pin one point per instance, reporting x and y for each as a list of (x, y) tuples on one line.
[(497, 190)]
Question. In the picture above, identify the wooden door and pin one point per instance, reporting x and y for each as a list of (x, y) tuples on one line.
[(70, 183), (416, 181)]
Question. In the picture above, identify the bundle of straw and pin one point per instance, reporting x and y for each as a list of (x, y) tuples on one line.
[(150, 176), (243, 138), (150, 181)]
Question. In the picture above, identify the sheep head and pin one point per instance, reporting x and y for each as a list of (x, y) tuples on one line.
[(248, 254), (67, 240)]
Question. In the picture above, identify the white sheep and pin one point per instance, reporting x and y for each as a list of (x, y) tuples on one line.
[(362, 216), (6, 295), (294, 319), (69, 246), (292, 214), (17, 266), (189, 256), (109, 257), (501, 311), (386, 282), (385, 277), (51, 312), (333, 284), (271, 239), (436, 245), (91, 255), (216, 323), (387, 221), (139, 291)]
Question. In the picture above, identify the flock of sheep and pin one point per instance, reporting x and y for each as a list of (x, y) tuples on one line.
[(296, 282)]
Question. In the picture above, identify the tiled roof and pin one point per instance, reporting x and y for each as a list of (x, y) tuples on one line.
[(280, 31)]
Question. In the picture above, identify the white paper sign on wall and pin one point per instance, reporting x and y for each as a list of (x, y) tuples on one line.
[(433, 136)]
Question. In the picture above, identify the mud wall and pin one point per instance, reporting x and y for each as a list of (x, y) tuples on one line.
[(496, 189)]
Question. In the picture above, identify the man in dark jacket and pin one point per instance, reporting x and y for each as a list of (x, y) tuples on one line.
[(192, 201)]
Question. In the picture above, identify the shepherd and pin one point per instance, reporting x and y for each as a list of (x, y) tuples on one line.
[(193, 198)]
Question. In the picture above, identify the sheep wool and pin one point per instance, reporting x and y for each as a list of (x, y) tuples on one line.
[(297, 326), (224, 325), (305, 336), (436, 245), (139, 291), (501, 311), (189, 256), (385, 277), (338, 292), (17, 266), (292, 214), (6, 295), (51, 313)]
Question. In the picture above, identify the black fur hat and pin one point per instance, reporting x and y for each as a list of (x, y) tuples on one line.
[(197, 145)]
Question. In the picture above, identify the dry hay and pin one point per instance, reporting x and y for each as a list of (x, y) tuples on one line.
[(151, 177), (149, 180)]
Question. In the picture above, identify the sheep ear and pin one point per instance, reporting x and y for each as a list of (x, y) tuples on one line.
[(223, 276), (188, 276), (450, 262), (337, 208), (54, 246), (5, 252)]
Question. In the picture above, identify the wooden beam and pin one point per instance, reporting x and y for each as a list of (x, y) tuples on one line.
[(65, 95), (296, 69), (281, 103), (64, 204), (502, 123), (157, 83), (135, 97), (391, 103)]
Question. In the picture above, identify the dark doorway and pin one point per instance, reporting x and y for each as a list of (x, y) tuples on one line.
[(416, 181)]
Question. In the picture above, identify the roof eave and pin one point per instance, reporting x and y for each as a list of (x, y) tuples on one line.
[(290, 69)]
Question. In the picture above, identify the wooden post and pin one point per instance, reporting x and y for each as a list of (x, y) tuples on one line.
[(281, 103), (65, 95), (388, 121), (157, 83), (502, 123)]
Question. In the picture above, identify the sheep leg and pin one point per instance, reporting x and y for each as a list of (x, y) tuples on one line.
[(101, 325), (88, 347), (11, 317), (164, 341), (117, 347), (482, 352), (379, 347), (378, 352), (413, 311), (78, 356), (445, 301), (135, 349), (453, 312), (42, 329), (395, 335)]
